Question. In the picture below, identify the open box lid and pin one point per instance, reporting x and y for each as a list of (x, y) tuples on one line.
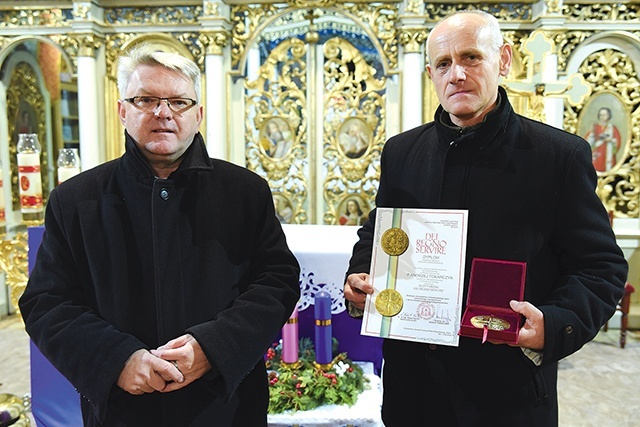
[(495, 282)]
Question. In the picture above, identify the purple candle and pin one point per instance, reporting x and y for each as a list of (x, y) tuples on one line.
[(322, 312), (290, 338)]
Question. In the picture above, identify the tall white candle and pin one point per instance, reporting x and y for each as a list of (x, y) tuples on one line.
[(30, 182), (29, 177)]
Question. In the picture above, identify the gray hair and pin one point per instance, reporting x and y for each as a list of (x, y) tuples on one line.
[(147, 54)]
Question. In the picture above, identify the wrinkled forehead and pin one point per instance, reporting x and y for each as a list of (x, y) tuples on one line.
[(459, 33)]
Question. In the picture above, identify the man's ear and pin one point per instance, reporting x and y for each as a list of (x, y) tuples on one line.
[(506, 56)]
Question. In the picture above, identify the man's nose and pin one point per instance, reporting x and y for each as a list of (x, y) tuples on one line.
[(458, 73), (162, 109)]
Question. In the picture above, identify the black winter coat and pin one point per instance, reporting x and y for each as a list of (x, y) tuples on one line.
[(130, 261), (529, 189)]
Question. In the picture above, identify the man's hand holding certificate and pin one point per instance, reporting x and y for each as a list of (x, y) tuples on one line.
[(417, 272)]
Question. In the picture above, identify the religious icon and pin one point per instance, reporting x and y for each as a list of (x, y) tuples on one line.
[(284, 211), (354, 137), (276, 138), (25, 120), (355, 212), (604, 124)]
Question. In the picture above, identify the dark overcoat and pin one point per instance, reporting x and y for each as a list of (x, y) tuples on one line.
[(130, 261), (529, 190)]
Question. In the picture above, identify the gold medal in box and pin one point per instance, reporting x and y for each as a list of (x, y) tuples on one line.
[(491, 322)]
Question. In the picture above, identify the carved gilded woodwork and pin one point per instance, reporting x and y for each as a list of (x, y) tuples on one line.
[(276, 127), (353, 130), (13, 262), (379, 19), (46, 17), (412, 40), (601, 12), (157, 16), (614, 78), (566, 43), (71, 47), (507, 12)]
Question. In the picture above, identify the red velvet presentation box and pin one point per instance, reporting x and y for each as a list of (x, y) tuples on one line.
[(492, 284)]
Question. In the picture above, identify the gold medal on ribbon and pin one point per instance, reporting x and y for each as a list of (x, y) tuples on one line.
[(394, 241), (389, 302), (493, 323)]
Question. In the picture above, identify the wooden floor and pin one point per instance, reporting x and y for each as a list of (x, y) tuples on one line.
[(598, 386)]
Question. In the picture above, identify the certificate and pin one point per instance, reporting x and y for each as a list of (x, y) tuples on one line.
[(417, 273)]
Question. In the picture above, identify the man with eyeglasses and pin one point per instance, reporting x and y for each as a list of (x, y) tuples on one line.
[(164, 275)]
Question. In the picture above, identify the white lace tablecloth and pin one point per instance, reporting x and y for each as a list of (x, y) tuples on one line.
[(365, 412)]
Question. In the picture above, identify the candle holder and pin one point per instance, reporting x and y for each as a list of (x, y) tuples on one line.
[(291, 366), (68, 164), (323, 366)]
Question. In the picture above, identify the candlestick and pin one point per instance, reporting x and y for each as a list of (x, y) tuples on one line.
[(68, 164), (322, 311), (29, 178), (290, 339)]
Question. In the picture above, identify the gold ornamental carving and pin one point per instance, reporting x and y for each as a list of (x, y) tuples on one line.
[(211, 9), (379, 19), (214, 41), (353, 133), (413, 7), (276, 121), (81, 11), (33, 18), (603, 12), (311, 3), (14, 263), (88, 44), (566, 43), (412, 39), (611, 119), (70, 45), (553, 6), (513, 12), (157, 16)]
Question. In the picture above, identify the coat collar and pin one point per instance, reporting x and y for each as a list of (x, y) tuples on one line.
[(494, 123)]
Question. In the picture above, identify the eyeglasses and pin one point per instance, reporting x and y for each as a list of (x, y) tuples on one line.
[(150, 103)]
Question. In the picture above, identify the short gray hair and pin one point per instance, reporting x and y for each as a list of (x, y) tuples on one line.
[(148, 54)]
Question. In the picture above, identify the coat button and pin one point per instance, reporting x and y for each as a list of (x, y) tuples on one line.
[(164, 194), (569, 330), (433, 346)]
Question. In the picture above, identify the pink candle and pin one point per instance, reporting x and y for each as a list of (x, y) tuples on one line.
[(290, 338)]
